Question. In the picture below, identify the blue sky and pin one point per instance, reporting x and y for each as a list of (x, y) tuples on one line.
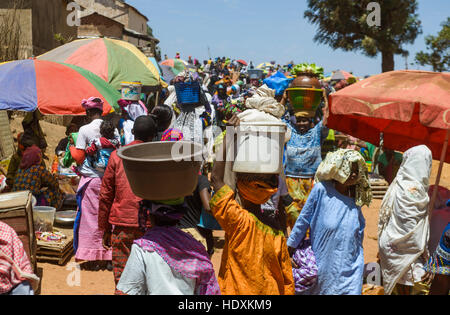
[(263, 30)]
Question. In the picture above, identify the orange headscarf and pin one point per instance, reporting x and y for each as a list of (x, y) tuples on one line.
[(257, 192)]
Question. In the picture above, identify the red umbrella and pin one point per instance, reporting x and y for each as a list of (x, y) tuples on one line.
[(242, 62), (409, 107)]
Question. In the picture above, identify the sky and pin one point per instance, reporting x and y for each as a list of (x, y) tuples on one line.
[(266, 30)]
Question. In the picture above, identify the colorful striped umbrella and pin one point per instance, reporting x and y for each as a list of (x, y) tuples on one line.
[(177, 65), (115, 61), (53, 88)]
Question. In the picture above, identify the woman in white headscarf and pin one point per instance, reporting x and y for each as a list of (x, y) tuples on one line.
[(403, 227)]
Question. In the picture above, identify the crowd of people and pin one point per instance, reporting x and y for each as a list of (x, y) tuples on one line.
[(297, 232)]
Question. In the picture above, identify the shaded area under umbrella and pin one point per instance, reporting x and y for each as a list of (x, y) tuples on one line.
[(410, 108)]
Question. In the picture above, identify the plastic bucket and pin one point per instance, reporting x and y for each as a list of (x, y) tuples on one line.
[(131, 91), (43, 218), (259, 147), (162, 170)]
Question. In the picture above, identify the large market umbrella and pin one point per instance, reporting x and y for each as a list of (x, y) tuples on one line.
[(115, 61), (177, 65), (409, 107), (53, 88)]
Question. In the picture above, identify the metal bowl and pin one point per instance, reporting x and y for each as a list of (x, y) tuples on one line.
[(65, 217)]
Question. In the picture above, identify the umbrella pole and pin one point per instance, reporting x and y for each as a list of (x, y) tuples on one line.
[(438, 177), (157, 98)]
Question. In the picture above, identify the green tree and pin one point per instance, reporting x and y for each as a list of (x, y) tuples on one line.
[(439, 57), (344, 24)]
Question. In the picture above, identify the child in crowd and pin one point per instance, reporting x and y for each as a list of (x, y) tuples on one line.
[(100, 149)]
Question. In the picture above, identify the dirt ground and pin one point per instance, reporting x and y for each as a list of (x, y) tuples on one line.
[(58, 280)]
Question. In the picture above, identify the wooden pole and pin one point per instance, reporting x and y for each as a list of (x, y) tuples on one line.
[(438, 178)]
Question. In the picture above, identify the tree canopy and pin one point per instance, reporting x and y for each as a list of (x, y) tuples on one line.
[(439, 57), (343, 24)]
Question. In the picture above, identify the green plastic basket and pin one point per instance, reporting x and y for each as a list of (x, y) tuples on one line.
[(305, 98)]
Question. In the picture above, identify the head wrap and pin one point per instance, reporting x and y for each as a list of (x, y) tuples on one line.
[(338, 166), (257, 192), (123, 103), (92, 102), (184, 255), (172, 210), (305, 114), (31, 156)]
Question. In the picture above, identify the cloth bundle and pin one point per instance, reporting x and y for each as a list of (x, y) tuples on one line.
[(306, 275), (264, 100)]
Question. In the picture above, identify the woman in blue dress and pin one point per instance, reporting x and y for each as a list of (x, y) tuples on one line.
[(333, 215)]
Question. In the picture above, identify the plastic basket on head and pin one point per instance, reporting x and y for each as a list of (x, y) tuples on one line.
[(188, 92)]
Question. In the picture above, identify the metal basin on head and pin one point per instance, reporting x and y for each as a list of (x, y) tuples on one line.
[(162, 170)]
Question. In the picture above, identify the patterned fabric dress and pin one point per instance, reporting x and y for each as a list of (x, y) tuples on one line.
[(34, 179), (439, 262), (299, 190), (302, 158), (255, 259)]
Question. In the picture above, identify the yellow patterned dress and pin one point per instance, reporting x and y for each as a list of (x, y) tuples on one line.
[(299, 190)]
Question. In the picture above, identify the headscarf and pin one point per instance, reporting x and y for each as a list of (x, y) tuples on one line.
[(92, 102), (31, 156), (132, 108), (170, 209), (15, 266), (305, 114), (183, 254), (257, 192), (403, 226), (338, 166)]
